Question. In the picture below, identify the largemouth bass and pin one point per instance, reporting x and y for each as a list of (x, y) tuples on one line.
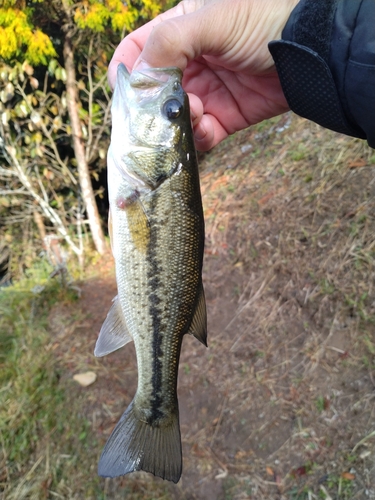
[(157, 238)]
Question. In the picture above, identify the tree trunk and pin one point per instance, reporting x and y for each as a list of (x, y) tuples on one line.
[(79, 148)]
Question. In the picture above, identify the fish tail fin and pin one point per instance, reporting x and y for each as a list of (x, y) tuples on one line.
[(136, 445)]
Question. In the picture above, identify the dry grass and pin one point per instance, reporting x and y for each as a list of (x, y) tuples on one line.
[(290, 250), (281, 404)]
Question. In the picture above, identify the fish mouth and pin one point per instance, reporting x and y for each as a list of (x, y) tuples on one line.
[(149, 77), (148, 83)]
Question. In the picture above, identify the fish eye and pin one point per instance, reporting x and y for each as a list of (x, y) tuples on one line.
[(172, 109)]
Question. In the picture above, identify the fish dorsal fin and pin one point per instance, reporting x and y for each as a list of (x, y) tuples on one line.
[(114, 332), (198, 326), (119, 94)]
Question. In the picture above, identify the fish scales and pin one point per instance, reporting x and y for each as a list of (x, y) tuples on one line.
[(157, 239)]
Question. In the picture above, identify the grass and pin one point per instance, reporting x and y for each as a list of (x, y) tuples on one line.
[(41, 444), (280, 406), (48, 445)]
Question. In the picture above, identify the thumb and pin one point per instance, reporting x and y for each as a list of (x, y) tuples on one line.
[(178, 40)]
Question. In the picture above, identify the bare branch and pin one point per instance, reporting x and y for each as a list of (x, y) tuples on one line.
[(49, 212), (9, 192), (7, 173), (91, 92), (99, 134), (45, 196), (57, 155)]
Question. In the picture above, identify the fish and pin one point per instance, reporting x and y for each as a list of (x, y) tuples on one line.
[(156, 230)]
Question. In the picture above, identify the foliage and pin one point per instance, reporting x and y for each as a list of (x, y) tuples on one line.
[(18, 38), (34, 172), (21, 40), (95, 16), (38, 171)]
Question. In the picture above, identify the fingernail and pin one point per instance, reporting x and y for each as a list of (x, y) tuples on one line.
[(200, 133), (193, 117), (140, 64)]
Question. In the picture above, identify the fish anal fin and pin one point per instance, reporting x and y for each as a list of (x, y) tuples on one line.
[(198, 326), (136, 445), (114, 332)]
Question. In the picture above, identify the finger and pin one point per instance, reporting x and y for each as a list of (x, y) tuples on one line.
[(207, 130), (196, 109), (128, 51), (208, 133), (178, 40), (130, 48)]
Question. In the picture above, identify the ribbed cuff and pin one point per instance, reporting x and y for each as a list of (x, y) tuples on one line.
[(302, 63)]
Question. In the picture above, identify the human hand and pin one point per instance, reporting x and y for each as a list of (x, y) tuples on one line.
[(222, 48)]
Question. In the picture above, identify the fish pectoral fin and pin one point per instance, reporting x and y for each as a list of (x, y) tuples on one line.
[(198, 326), (114, 332), (136, 445)]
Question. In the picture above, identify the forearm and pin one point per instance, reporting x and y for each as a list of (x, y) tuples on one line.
[(326, 64)]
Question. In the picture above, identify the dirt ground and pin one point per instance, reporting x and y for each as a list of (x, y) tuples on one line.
[(281, 403)]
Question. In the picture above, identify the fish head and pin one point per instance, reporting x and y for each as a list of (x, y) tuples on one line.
[(150, 124)]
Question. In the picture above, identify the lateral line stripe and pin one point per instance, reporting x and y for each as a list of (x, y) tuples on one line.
[(155, 312)]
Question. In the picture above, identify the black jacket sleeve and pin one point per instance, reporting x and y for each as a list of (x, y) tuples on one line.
[(326, 64)]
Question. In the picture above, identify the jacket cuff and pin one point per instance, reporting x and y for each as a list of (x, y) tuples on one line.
[(301, 60)]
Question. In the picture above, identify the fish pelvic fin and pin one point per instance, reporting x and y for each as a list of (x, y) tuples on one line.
[(198, 326), (114, 332), (135, 445)]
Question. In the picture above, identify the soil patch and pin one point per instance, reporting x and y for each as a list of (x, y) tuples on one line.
[(281, 404)]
